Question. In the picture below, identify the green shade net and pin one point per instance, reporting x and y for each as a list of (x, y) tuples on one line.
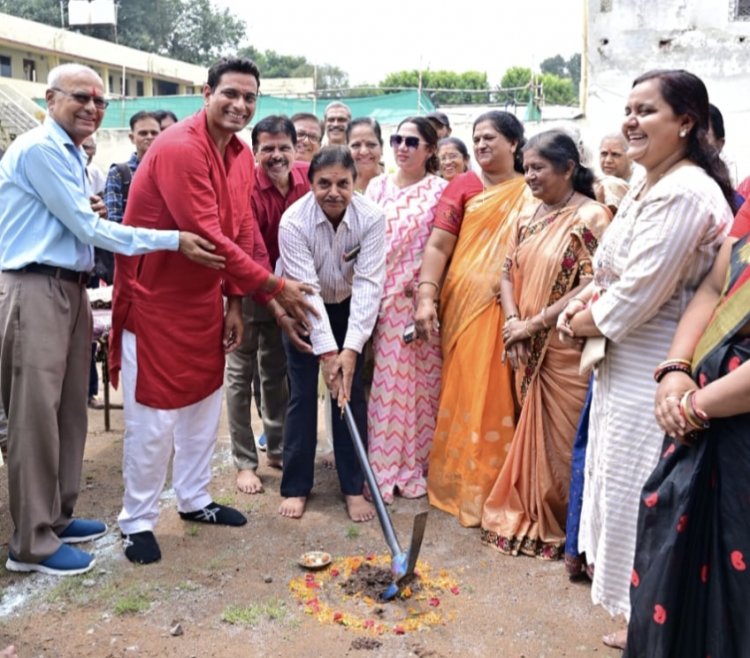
[(387, 109)]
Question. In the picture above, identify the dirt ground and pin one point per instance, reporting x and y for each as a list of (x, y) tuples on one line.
[(224, 592)]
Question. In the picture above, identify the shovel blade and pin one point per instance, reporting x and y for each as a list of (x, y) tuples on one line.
[(417, 535)]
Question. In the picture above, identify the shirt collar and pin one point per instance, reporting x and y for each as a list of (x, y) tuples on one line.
[(58, 134), (320, 216)]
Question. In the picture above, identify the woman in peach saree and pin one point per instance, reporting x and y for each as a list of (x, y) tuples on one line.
[(548, 262)]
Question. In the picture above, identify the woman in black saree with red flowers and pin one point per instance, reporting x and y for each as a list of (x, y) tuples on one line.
[(690, 591)]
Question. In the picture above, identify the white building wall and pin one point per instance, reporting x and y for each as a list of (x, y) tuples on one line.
[(629, 37)]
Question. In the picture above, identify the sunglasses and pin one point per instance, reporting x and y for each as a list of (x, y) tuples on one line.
[(410, 141), (84, 99)]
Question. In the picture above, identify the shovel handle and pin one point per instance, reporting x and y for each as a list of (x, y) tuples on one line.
[(385, 520)]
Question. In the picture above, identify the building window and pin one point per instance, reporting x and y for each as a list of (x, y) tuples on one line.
[(740, 10), (5, 69), (139, 87), (29, 70)]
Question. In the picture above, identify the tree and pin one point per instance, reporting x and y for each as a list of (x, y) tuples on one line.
[(443, 82), (191, 30), (557, 90), (517, 80), (570, 68), (331, 78)]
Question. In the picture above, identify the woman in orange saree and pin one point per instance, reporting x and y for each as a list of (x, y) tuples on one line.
[(476, 413), (548, 262)]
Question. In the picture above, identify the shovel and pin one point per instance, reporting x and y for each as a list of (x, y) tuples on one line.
[(402, 563)]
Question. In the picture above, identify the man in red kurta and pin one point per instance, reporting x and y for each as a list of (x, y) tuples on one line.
[(170, 331)]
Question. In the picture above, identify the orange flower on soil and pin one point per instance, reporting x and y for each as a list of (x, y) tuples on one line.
[(318, 593)]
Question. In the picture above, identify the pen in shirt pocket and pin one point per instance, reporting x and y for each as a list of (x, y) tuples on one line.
[(351, 254)]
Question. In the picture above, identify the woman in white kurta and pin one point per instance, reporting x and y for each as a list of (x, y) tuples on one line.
[(648, 265)]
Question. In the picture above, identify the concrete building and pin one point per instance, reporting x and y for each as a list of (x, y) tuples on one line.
[(29, 50), (710, 38)]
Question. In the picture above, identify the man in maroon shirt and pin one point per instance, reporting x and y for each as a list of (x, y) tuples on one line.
[(279, 182), (170, 330)]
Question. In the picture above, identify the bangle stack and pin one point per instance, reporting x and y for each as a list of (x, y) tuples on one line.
[(672, 365), (544, 317), (695, 417)]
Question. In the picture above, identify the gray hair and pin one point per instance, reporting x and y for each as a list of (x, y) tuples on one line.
[(57, 74), (615, 135), (330, 106)]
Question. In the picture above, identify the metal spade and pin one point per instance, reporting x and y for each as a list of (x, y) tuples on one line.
[(402, 563)]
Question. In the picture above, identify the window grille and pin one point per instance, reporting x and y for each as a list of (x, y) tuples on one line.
[(741, 10)]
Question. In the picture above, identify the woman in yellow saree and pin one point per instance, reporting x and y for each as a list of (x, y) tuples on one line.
[(476, 413), (548, 262)]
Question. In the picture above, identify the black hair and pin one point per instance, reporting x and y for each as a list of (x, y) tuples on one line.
[(559, 149), (140, 116), (428, 133), (686, 94), (307, 116), (275, 124), (460, 146), (163, 114), (328, 156), (509, 127), (231, 65), (365, 121), (716, 121)]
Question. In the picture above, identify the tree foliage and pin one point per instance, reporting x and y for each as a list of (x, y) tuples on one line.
[(443, 80), (190, 30), (556, 89), (564, 68)]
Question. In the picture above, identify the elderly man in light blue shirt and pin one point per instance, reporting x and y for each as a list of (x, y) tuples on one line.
[(48, 228)]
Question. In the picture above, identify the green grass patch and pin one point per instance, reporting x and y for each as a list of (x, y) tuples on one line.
[(131, 603), (193, 530), (353, 531), (253, 614)]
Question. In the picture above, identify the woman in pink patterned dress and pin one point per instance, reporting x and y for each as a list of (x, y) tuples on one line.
[(406, 383)]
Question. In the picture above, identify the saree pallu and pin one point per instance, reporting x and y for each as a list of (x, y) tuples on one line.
[(476, 413), (526, 509), (690, 586)]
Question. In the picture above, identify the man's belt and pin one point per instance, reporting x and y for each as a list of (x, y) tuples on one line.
[(57, 272)]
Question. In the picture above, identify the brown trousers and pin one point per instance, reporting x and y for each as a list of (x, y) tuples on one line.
[(45, 353)]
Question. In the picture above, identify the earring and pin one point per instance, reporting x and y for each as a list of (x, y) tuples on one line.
[(683, 132)]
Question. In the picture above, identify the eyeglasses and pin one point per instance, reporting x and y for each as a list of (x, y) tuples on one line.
[(450, 157), (84, 99), (410, 141), (301, 134)]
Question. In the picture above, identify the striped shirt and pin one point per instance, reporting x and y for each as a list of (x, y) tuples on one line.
[(312, 252), (650, 261)]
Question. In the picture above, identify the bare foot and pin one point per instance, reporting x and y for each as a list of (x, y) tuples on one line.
[(293, 508), (248, 481), (274, 462), (329, 460), (359, 509), (616, 640)]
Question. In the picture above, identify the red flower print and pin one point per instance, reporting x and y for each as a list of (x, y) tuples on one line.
[(568, 263), (702, 379), (734, 363), (660, 614), (704, 574), (738, 560), (651, 499), (635, 579), (682, 523), (670, 449)]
